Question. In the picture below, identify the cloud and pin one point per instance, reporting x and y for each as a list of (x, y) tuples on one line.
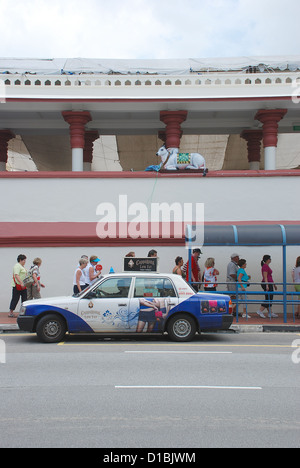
[(148, 28), (274, 26)]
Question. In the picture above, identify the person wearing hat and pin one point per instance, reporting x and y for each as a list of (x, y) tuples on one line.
[(232, 269), (92, 273)]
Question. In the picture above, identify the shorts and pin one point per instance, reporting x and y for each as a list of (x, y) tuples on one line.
[(297, 288), (242, 297), (76, 290), (33, 292), (147, 315), (232, 286)]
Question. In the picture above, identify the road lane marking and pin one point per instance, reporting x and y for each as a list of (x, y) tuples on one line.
[(210, 387), (179, 352)]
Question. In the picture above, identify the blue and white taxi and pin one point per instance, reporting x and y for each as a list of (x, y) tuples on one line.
[(129, 303)]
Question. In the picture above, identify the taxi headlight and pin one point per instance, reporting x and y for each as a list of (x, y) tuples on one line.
[(22, 310)]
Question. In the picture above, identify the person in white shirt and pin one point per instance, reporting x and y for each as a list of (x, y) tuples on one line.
[(210, 275), (79, 278)]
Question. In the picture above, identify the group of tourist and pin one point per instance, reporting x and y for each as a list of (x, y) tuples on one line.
[(237, 278), (86, 272), (89, 270), (19, 289)]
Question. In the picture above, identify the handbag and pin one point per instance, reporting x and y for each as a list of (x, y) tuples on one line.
[(18, 286)]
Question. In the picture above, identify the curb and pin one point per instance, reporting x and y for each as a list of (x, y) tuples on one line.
[(247, 328), (281, 328), (265, 328), (7, 327)]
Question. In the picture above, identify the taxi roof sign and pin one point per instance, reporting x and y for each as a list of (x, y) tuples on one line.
[(143, 264)]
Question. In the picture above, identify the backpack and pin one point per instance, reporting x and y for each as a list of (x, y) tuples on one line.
[(28, 280)]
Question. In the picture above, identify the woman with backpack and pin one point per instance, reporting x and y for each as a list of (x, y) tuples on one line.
[(33, 290)]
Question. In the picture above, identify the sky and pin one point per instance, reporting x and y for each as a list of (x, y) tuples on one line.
[(145, 29)]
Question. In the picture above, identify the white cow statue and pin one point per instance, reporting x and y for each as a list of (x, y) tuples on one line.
[(172, 160)]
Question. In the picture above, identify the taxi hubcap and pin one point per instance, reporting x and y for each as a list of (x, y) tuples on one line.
[(52, 328), (182, 328)]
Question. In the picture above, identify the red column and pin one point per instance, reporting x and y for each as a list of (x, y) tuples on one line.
[(90, 137), (5, 136), (173, 121), (77, 121), (270, 119), (253, 138)]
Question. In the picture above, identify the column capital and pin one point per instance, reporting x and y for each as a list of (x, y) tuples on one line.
[(173, 116), (89, 137), (253, 138), (265, 115), (77, 121), (249, 134), (270, 119), (173, 121)]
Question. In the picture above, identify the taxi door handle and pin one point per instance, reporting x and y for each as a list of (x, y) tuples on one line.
[(122, 305)]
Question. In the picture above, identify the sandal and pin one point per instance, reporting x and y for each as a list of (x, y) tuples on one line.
[(12, 316)]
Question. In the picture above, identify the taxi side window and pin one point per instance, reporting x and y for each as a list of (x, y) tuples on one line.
[(113, 287), (153, 287)]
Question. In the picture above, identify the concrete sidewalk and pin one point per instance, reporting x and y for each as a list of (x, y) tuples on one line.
[(254, 324), (8, 324)]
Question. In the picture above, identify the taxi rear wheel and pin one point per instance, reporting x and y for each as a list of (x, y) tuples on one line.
[(51, 328), (181, 327)]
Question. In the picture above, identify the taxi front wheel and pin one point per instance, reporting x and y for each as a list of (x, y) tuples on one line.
[(51, 328), (181, 327)]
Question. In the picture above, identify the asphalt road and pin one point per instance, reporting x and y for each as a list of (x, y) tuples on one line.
[(221, 390)]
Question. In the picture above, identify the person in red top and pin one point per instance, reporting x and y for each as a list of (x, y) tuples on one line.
[(267, 283), (196, 272)]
